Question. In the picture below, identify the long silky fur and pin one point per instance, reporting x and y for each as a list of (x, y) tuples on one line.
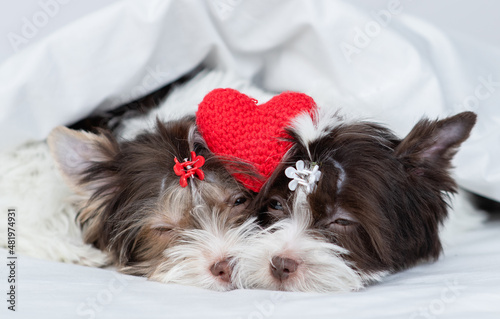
[(394, 190), (322, 265), (134, 209)]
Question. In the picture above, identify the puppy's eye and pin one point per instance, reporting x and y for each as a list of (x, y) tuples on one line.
[(238, 204), (239, 201), (339, 219), (342, 225), (162, 228), (344, 222), (275, 205), (272, 212)]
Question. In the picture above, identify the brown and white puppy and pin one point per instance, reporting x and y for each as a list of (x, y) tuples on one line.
[(374, 208), (132, 204)]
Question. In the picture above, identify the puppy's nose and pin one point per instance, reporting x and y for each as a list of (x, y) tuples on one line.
[(222, 270), (281, 268)]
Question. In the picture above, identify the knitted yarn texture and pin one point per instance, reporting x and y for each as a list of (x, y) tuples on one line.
[(234, 126)]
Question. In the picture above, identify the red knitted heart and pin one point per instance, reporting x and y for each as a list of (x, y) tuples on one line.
[(234, 125)]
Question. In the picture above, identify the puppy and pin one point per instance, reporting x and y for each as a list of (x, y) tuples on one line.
[(351, 202), (160, 204)]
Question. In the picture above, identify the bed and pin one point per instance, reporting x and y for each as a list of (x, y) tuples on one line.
[(380, 63)]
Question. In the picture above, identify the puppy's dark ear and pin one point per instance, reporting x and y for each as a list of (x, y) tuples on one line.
[(433, 143), (75, 152)]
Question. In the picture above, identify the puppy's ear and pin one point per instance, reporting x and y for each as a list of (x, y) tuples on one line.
[(433, 143), (75, 152)]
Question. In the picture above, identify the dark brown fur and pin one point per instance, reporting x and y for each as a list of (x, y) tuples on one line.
[(395, 190), (130, 194)]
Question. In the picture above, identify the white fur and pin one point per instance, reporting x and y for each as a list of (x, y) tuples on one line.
[(189, 262), (324, 121), (341, 177), (45, 223), (321, 268)]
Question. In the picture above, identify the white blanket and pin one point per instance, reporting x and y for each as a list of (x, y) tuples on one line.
[(390, 67)]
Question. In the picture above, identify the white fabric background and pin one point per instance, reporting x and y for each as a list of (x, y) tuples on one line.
[(97, 56)]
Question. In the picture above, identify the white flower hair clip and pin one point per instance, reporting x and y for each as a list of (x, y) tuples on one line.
[(302, 176)]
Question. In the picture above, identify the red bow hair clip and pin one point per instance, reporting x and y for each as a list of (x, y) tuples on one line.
[(189, 168)]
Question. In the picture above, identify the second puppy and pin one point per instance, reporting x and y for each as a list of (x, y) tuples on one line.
[(351, 202)]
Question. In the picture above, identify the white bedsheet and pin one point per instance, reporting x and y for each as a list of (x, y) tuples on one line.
[(402, 71), (464, 283)]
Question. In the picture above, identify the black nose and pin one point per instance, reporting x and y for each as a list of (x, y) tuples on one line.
[(281, 268), (222, 270)]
